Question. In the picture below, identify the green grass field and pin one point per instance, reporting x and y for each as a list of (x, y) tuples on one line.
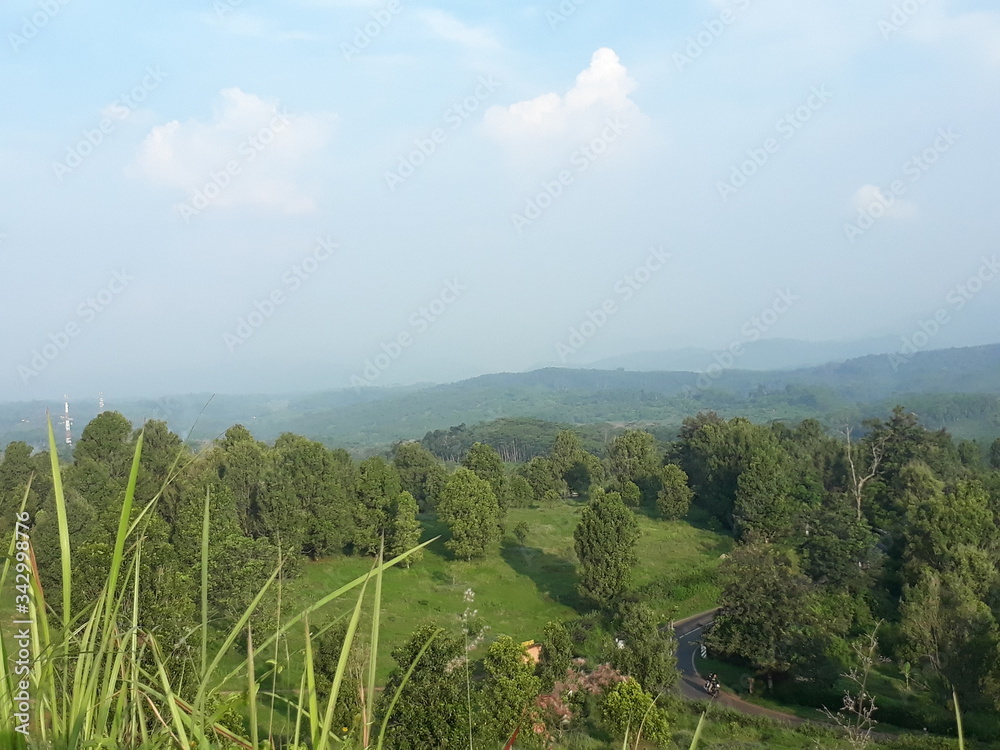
[(523, 586)]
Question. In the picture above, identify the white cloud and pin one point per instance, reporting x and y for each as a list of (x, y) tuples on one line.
[(871, 200), (449, 28), (186, 155), (600, 91)]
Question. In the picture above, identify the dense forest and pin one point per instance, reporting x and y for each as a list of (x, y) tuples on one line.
[(887, 533)]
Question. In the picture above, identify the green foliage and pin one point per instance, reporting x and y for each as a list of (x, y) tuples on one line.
[(420, 473), (647, 651), (766, 612), (557, 655), (995, 454), (519, 491), (627, 710), (378, 489), (674, 497), (405, 529), (507, 691), (521, 531), (605, 543), (763, 507), (470, 509), (544, 479), (485, 463), (633, 456), (432, 710), (715, 453), (631, 494)]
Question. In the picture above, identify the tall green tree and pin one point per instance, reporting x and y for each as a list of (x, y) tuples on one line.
[(378, 488), (763, 506), (605, 543), (406, 530), (766, 611), (432, 710), (420, 473), (557, 655), (486, 464), (469, 507), (634, 456), (643, 649), (674, 498), (507, 691)]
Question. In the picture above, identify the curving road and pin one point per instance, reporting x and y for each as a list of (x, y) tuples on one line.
[(692, 684)]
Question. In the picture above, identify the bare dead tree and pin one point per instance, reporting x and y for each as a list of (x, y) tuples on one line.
[(858, 481), (857, 715)]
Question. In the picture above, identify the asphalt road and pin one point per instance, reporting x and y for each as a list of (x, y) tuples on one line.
[(692, 683)]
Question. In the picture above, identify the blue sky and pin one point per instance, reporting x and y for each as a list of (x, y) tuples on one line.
[(432, 191)]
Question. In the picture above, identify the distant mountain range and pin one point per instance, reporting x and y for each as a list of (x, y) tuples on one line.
[(766, 354), (958, 389)]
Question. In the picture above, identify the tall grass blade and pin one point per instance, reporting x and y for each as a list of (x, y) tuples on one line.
[(697, 733), (402, 684)]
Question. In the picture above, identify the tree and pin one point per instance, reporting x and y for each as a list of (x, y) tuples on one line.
[(307, 504), (544, 479), (519, 491), (633, 457), (16, 469), (873, 453), (629, 711), (766, 612), (715, 453), (605, 542), (432, 710), (586, 471), (509, 688), (420, 473), (485, 463), (470, 509), (648, 653), (762, 504), (557, 655), (631, 494), (839, 548), (378, 488), (995, 454), (674, 498), (406, 530)]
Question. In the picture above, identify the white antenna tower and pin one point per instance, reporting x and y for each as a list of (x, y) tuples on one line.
[(68, 421), (100, 401)]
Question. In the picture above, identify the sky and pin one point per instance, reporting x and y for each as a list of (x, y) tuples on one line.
[(232, 196)]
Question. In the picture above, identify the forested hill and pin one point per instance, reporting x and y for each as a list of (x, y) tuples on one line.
[(954, 388)]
